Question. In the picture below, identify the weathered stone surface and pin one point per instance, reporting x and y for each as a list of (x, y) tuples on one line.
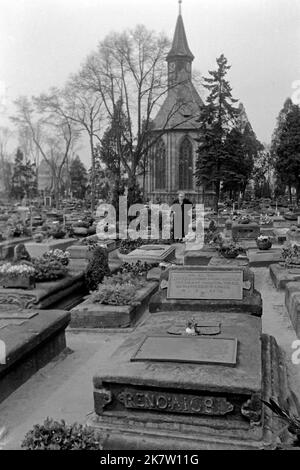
[(251, 302), (240, 260), (281, 275), (292, 303), (156, 405), (30, 346), (7, 246), (45, 294), (263, 258), (95, 315), (36, 250)]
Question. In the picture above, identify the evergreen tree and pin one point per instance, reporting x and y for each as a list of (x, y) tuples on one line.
[(23, 178), (288, 150), (109, 153), (78, 178), (216, 122)]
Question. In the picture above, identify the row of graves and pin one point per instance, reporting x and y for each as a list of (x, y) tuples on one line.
[(198, 372), (195, 371)]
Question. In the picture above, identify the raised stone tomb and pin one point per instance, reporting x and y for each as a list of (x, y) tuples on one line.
[(154, 395), (207, 288), (32, 338)]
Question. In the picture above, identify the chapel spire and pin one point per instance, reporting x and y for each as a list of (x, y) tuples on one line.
[(180, 47)]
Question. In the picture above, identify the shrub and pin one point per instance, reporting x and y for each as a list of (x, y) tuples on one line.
[(55, 435), (97, 268), (231, 250), (57, 255), (115, 294)]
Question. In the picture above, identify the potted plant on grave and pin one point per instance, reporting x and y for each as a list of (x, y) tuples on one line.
[(18, 276), (57, 231), (57, 255), (291, 256), (244, 219), (230, 249), (264, 242)]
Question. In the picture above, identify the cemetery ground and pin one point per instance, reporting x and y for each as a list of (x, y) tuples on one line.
[(63, 389)]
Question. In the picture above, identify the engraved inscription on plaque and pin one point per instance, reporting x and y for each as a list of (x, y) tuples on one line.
[(196, 349), (169, 402), (210, 285)]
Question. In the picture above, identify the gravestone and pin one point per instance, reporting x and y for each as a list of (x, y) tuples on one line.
[(164, 389), (282, 275), (207, 288)]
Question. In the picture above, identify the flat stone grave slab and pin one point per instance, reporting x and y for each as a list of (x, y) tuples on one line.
[(30, 344), (263, 258), (240, 260), (207, 288), (94, 315), (44, 295), (292, 303), (176, 404), (280, 222), (281, 275), (36, 250), (150, 254)]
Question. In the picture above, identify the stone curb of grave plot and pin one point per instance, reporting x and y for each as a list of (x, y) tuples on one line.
[(292, 303)]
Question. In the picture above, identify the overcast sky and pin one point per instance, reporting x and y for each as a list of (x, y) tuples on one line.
[(43, 41)]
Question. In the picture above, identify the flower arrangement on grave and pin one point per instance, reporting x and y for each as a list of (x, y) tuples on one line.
[(230, 249), (57, 435), (128, 245), (265, 219), (17, 275), (57, 255), (291, 256), (244, 219), (97, 268), (119, 289), (264, 242)]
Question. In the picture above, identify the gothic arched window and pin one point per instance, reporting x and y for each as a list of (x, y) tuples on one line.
[(160, 165), (186, 164)]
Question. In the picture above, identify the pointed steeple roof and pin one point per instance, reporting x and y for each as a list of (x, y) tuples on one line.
[(180, 47)]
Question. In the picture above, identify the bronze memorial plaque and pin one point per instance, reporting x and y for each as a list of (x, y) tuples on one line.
[(188, 349), (210, 285), (170, 402)]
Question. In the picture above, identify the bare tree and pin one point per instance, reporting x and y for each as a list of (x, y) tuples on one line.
[(84, 108), (53, 133), (5, 136)]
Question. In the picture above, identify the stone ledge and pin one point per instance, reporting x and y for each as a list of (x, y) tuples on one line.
[(90, 315)]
